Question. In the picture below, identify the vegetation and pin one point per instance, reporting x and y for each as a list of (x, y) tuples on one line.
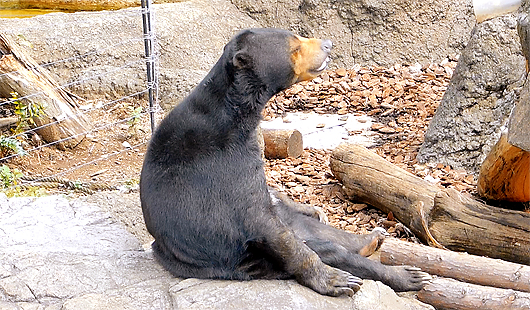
[(133, 120), (10, 145), (26, 111)]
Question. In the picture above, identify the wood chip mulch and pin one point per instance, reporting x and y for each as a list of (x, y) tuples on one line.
[(402, 100)]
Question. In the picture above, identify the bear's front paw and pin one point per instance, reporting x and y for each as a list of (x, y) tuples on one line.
[(331, 281)]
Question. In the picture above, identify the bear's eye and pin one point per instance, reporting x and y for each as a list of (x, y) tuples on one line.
[(296, 49)]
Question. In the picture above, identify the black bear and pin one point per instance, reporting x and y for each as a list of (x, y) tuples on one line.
[(203, 190)]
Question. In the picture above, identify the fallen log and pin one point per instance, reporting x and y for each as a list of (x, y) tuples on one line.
[(371, 179), (438, 217), (463, 224), (19, 73), (282, 143), (450, 294), (459, 266)]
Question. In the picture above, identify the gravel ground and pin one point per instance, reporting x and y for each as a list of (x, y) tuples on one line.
[(402, 100)]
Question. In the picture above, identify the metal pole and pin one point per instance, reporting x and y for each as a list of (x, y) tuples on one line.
[(148, 44)]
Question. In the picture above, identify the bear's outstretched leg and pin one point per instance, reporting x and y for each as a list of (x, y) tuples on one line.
[(299, 260), (341, 250)]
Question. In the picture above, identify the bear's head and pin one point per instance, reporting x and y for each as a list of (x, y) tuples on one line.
[(278, 58)]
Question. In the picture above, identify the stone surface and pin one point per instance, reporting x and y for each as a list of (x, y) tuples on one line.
[(479, 98), (69, 254), (373, 32)]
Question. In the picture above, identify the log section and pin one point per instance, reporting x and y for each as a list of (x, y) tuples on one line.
[(505, 173), (438, 217), (454, 295), (460, 266), (282, 143)]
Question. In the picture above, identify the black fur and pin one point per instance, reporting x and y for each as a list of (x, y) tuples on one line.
[(204, 195)]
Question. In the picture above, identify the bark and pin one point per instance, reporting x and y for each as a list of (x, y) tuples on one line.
[(460, 266), (282, 143), (505, 173), (371, 179), (20, 73), (439, 217), (463, 224), (451, 294)]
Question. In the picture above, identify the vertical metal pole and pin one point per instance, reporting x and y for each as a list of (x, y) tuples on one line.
[(148, 44)]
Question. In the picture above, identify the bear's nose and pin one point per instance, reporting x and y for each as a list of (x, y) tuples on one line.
[(326, 46)]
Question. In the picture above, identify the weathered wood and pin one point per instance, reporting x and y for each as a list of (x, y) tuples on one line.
[(73, 5), (463, 224), (282, 143), (460, 266), (505, 173), (20, 73), (453, 220), (8, 121), (454, 295), (369, 178)]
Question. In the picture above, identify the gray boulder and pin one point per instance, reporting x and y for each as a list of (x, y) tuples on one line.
[(478, 101), (71, 255), (373, 32)]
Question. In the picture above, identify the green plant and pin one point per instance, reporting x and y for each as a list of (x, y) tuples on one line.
[(8, 144), (26, 111), (133, 120), (9, 177)]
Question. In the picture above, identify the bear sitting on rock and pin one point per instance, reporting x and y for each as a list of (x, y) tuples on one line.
[(203, 190)]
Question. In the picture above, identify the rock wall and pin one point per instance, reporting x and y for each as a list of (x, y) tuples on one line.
[(191, 35), (84, 47), (373, 32), (478, 101)]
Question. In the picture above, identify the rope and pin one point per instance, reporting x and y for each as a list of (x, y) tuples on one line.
[(55, 182)]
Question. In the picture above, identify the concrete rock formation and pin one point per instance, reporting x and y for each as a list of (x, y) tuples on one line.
[(478, 101), (373, 32)]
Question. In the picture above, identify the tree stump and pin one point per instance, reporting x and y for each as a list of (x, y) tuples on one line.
[(62, 123)]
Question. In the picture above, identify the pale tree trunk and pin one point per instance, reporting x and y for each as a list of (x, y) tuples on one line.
[(62, 123)]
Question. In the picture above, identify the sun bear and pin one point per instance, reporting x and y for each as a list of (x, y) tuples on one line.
[(203, 190)]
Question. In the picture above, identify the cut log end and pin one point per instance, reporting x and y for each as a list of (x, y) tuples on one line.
[(505, 174), (281, 143)]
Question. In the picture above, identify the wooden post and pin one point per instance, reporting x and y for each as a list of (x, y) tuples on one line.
[(20, 73)]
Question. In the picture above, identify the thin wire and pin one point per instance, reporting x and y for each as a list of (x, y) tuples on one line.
[(79, 56), (79, 113), (104, 157), (73, 136), (74, 82)]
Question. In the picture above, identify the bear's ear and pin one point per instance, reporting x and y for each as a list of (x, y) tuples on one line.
[(242, 60)]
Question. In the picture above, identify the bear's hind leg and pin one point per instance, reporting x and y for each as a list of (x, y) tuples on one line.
[(343, 250)]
